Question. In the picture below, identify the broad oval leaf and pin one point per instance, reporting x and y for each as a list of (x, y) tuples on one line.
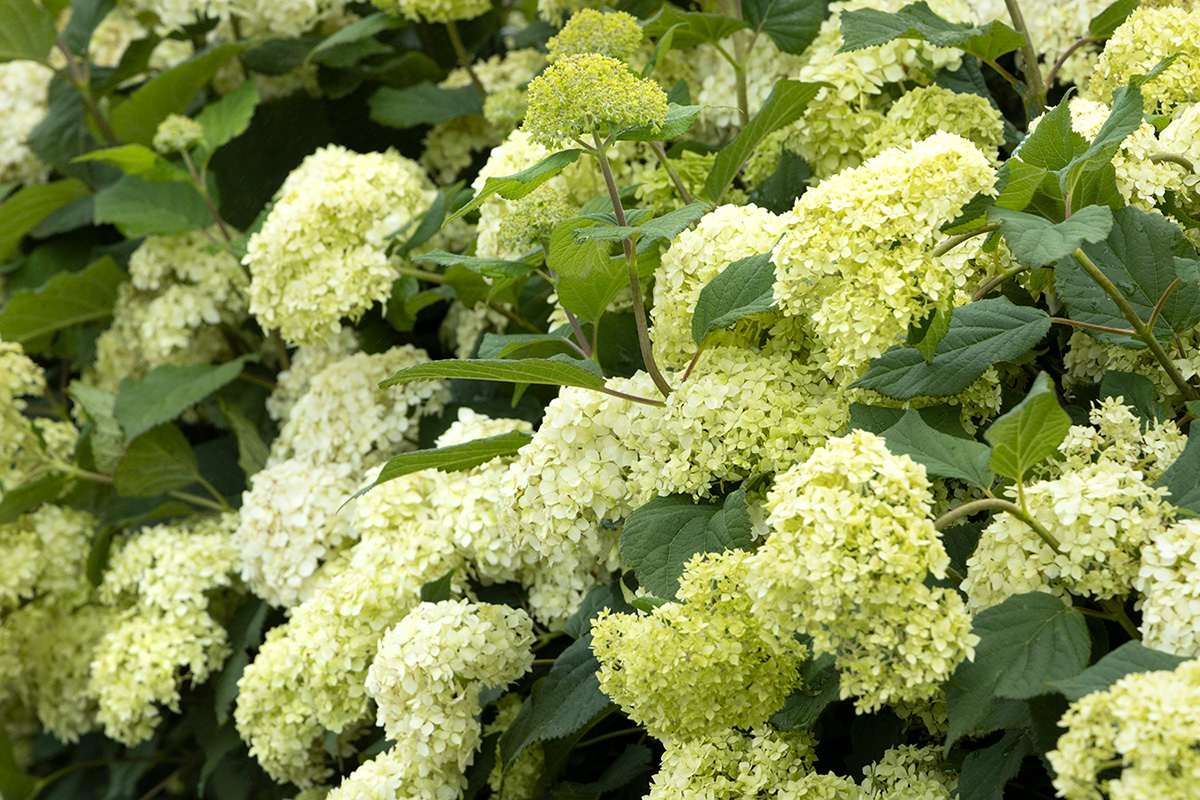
[(423, 104), (1029, 433), (791, 24), (67, 300), (1129, 658), (26, 31), (869, 27), (940, 453), (158, 461), (140, 207), (1038, 242), (519, 184), (743, 288), (452, 458), (29, 206), (494, 268), (167, 391)]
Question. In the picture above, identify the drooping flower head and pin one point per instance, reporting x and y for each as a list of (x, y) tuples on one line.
[(583, 93)]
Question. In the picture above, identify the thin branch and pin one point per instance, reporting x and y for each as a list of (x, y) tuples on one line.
[(995, 281), (996, 504), (464, 58), (1053, 73), (423, 275), (955, 241), (1162, 301), (1090, 327), (692, 364), (631, 397), (81, 81), (1173, 158), (659, 151), (1036, 97)]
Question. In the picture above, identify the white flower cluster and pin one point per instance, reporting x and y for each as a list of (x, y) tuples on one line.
[(28, 443), (426, 679), (179, 299), (1147, 725), (851, 545), (23, 104), (1168, 579), (320, 255), (858, 262), (1149, 35)]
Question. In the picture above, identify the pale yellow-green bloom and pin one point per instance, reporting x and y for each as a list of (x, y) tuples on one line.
[(177, 134), (1146, 38), (584, 93), (614, 34), (435, 10)]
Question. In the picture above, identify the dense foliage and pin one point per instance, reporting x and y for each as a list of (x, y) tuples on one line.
[(456, 399)]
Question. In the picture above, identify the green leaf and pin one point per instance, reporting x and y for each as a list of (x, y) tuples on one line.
[(437, 590), (561, 703), (1127, 659), (941, 454), (869, 27), (252, 450), (932, 331), (665, 227), (1025, 643), (1053, 143), (744, 288), (167, 391), (779, 191), (691, 27), (108, 442), (1182, 478), (818, 690), (527, 345), (452, 458), (158, 461), (30, 496), (21, 211), (171, 92), (791, 24), (85, 16), (986, 772), (661, 536), (553, 371), (1029, 433), (679, 120), (1107, 21), (67, 300), (1139, 257), (589, 296), (140, 207), (15, 783), (26, 31), (494, 268), (1136, 391), (136, 159), (1124, 119), (784, 106), (1038, 242), (363, 28), (519, 184), (226, 119), (665, 40), (981, 334), (423, 104)]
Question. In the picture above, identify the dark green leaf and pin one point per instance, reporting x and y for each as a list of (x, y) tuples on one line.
[(437, 590), (66, 300), (779, 191), (252, 451), (665, 40), (28, 497), (986, 772), (1029, 433), (27, 207), (981, 334), (667, 227), (85, 16), (930, 333), (554, 371), (1025, 643), (423, 104), (691, 27), (157, 461), (523, 345), (784, 106), (26, 31), (1137, 392), (661, 536), (15, 783), (1124, 119), (452, 458), (167, 391), (610, 596), (1139, 257), (279, 56), (791, 24), (519, 184), (488, 267), (819, 689), (431, 222), (107, 440), (679, 120), (140, 207), (1038, 242), (1182, 478), (1129, 658), (1111, 18), (743, 288), (941, 454), (561, 703), (245, 633), (363, 28), (1053, 143), (227, 118), (869, 27), (137, 119)]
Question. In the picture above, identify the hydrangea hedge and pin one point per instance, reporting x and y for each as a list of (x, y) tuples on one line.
[(461, 399)]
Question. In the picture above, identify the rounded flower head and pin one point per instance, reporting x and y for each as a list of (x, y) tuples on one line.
[(435, 10), (615, 35), (1147, 37), (581, 93), (176, 134)]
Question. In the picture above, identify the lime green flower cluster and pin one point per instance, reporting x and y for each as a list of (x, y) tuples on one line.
[(693, 669), (851, 546), (614, 34), (924, 111), (534, 217), (730, 765), (1147, 37), (434, 10), (28, 441), (1147, 725), (177, 134), (580, 94), (858, 262)]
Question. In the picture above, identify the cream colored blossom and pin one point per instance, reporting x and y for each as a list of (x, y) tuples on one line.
[(1168, 580), (924, 111), (435, 10), (23, 104), (730, 765), (1150, 34)]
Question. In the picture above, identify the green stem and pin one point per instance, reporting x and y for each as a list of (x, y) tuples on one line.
[(635, 283), (739, 73), (1035, 98), (1162, 301), (464, 58), (201, 186), (1143, 332), (996, 504), (659, 151), (280, 350), (422, 275), (81, 80), (96, 477), (1087, 326), (607, 736), (1053, 73), (1115, 608), (995, 281), (955, 241), (1173, 158)]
